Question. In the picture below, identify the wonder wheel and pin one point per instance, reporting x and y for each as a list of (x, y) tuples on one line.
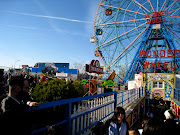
[(122, 26)]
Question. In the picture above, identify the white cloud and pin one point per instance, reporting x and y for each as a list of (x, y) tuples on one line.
[(49, 17)]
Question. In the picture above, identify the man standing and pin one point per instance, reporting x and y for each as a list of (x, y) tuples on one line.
[(15, 118)]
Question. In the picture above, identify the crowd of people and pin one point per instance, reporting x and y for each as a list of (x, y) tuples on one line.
[(158, 120), (15, 119)]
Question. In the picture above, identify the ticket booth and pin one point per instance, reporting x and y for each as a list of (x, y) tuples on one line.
[(159, 84)]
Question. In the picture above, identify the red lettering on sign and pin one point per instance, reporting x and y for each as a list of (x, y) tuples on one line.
[(162, 53), (156, 17)]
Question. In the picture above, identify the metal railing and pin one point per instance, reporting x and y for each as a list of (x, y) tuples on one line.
[(177, 94), (84, 112)]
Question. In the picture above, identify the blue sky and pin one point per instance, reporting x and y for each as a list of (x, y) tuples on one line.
[(46, 31)]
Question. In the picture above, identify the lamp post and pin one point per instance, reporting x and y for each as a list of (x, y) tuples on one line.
[(15, 63)]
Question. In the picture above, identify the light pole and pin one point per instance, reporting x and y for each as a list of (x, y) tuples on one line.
[(15, 63)]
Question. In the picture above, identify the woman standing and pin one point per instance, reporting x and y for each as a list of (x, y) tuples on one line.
[(118, 124)]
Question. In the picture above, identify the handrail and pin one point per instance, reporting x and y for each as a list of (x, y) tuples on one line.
[(94, 109), (71, 100)]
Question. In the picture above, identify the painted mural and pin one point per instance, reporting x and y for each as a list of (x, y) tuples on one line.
[(159, 84)]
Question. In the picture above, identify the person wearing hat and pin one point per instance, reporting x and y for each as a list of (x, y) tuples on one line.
[(170, 126)]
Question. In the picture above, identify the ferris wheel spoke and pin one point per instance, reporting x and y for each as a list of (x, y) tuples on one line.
[(174, 10), (123, 9), (110, 18), (106, 36), (163, 5), (172, 17), (174, 23), (157, 6), (151, 5), (170, 5), (130, 57), (172, 31), (122, 46), (177, 41), (122, 22), (122, 34), (141, 5), (127, 47), (125, 54)]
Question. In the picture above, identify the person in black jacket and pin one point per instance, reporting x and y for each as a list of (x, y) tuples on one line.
[(15, 118), (170, 126), (160, 110)]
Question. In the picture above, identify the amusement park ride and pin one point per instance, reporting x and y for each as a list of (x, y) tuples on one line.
[(133, 36)]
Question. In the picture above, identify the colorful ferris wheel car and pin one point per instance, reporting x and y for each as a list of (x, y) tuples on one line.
[(98, 31), (108, 12), (98, 53)]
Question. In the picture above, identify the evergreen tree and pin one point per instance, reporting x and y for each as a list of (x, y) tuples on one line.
[(57, 89)]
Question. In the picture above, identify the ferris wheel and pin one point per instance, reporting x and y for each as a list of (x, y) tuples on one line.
[(120, 27)]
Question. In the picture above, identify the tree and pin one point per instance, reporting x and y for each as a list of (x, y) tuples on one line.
[(81, 70), (57, 89), (80, 66), (78, 87)]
